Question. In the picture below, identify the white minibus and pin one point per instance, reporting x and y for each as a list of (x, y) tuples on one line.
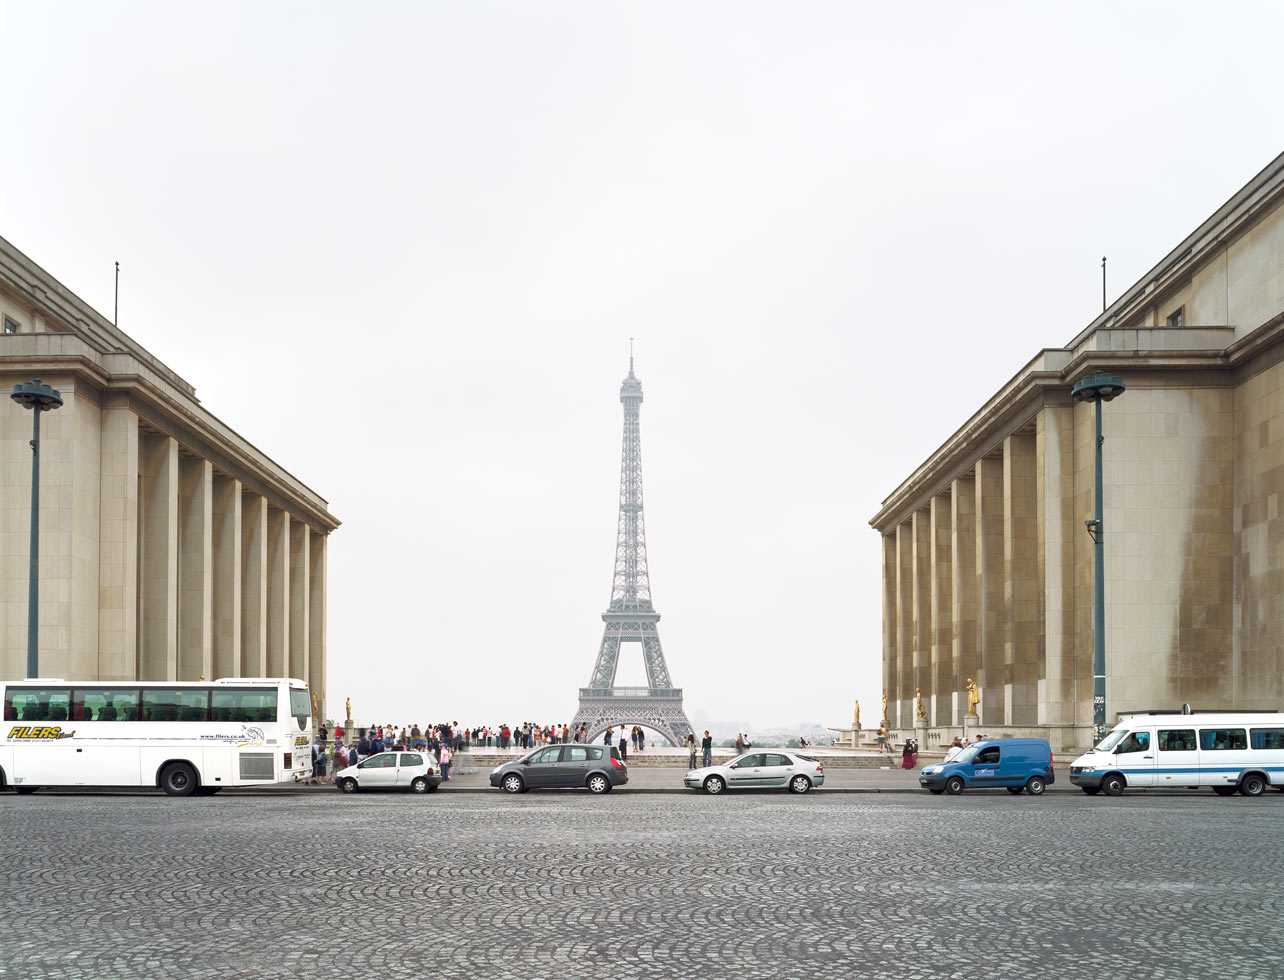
[(185, 737), (1230, 751)]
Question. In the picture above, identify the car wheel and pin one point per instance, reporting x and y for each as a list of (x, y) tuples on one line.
[(1036, 785), (1113, 785), (1224, 790), (714, 785), (419, 785), (936, 790), (799, 784), (348, 785), (1091, 790), (513, 783), (1252, 785), (597, 783), (954, 785), (1014, 790), (178, 779)]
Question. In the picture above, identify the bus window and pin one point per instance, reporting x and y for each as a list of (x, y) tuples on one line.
[(257, 705), (175, 704), (1222, 739), (1135, 742), (37, 704), (300, 707), (104, 704), (1262, 738), (1177, 740)]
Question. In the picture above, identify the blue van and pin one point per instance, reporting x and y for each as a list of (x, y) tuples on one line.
[(1013, 763)]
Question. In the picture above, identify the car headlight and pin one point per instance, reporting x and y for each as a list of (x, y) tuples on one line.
[(932, 770), (1083, 769)]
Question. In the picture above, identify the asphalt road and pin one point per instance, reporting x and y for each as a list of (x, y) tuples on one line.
[(564, 885)]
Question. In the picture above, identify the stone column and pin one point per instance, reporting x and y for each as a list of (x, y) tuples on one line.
[(278, 592), (903, 711), (989, 588), (922, 529), (1023, 635), (254, 585), (316, 616), (963, 595), (1055, 573), (158, 559), (300, 597), (891, 650), (226, 592), (118, 542), (195, 569), (943, 684)]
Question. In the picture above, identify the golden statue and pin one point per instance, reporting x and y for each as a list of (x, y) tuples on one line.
[(884, 707), (347, 703), (856, 717), (315, 712), (973, 696), (919, 710)]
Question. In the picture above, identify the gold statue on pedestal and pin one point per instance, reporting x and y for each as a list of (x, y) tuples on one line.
[(315, 712), (919, 710), (973, 696), (884, 709), (856, 717), (347, 706)]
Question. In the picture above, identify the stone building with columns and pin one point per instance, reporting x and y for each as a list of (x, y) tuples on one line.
[(170, 547), (988, 566)]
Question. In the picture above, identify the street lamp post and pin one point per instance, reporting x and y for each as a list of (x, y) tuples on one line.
[(1098, 387), (39, 398)]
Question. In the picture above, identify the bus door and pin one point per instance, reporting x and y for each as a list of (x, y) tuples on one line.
[(1176, 757), (1135, 758)]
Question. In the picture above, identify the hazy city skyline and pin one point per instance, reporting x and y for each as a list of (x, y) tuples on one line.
[(402, 250)]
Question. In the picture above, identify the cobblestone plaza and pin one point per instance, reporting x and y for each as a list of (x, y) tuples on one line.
[(829, 886)]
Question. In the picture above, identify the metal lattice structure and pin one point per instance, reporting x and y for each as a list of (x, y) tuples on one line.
[(631, 616)]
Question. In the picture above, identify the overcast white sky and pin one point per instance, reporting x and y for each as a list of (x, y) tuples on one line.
[(401, 247)]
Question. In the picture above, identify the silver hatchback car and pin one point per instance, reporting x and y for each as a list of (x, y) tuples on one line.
[(777, 769)]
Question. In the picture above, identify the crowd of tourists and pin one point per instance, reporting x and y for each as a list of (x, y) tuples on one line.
[(448, 743)]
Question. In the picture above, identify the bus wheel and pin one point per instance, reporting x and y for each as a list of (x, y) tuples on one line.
[(178, 779), (1113, 785), (1252, 785)]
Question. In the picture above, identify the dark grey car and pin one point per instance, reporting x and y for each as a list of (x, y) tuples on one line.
[(597, 767)]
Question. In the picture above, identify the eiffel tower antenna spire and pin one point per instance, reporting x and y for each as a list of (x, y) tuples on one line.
[(631, 618)]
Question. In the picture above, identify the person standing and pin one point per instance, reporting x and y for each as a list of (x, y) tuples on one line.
[(641, 739), (445, 762), (954, 749), (909, 754), (706, 747), (691, 749), (606, 739), (624, 745)]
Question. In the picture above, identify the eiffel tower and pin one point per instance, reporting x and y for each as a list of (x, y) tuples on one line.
[(631, 617)]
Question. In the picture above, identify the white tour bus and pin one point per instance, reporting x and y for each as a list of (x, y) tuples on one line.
[(1228, 750), (185, 737)]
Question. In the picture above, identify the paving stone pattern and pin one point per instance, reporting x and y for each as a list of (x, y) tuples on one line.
[(562, 886)]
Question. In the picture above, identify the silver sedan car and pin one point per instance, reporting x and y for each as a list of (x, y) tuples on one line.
[(777, 769)]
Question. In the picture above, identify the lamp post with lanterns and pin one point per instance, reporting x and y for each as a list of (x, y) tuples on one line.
[(39, 398), (1098, 387)]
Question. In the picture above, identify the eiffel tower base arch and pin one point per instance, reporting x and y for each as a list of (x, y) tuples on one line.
[(658, 709)]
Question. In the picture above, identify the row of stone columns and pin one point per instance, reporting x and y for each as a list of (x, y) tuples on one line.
[(216, 581), (964, 587)]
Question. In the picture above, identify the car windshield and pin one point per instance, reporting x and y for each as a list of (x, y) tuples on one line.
[(968, 754), (1111, 740)]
